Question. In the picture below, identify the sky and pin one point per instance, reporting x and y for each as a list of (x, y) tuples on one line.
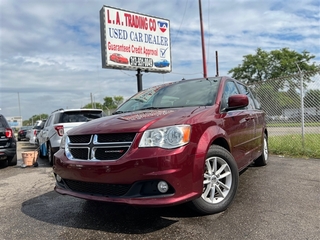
[(50, 51)]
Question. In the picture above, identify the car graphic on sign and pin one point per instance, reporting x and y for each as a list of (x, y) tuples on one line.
[(118, 58), (162, 63)]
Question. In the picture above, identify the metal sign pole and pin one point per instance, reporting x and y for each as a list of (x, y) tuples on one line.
[(139, 79)]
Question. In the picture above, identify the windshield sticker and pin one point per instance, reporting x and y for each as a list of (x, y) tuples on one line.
[(146, 115)]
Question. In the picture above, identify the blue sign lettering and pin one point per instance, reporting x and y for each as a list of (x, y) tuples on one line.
[(118, 33)]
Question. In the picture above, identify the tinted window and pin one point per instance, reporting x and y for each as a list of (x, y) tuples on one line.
[(201, 92), (2, 125), (79, 116), (3, 122)]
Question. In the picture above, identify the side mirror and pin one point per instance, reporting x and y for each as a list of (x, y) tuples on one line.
[(237, 101)]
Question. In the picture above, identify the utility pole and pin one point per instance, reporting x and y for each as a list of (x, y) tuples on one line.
[(204, 62), (19, 109)]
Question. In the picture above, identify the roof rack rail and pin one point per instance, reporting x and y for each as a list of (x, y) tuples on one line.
[(58, 110)]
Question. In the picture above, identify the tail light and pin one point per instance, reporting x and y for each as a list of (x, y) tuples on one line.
[(59, 130), (9, 133), (35, 132)]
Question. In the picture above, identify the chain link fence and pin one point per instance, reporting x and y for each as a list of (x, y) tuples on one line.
[(293, 116)]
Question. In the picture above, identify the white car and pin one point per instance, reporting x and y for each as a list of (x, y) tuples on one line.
[(58, 123), (33, 132)]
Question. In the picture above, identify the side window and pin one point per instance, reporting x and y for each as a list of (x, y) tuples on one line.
[(48, 121), (245, 90), (255, 99), (229, 90)]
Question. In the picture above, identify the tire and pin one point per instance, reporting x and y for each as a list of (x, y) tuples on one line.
[(263, 159), (220, 182), (13, 161), (50, 154), (4, 163)]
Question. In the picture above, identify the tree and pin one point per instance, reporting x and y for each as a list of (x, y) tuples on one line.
[(118, 100), (112, 103), (34, 118), (94, 105), (277, 64)]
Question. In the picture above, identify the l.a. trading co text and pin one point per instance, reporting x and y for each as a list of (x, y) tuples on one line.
[(138, 22)]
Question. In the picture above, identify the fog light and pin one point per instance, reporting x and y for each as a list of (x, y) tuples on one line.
[(58, 178), (163, 187)]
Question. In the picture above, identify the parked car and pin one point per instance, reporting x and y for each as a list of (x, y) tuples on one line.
[(22, 133), (58, 123), (37, 125), (35, 131), (118, 58), (161, 63), (175, 143), (8, 144)]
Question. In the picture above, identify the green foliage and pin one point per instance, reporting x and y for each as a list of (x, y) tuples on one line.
[(275, 64), (291, 145), (94, 105), (118, 100), (112, 103), (273, 102), (34, 118)]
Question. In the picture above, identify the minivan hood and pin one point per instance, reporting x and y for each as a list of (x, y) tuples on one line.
[(137, 121)]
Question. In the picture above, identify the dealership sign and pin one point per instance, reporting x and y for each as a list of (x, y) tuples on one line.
[(134, 41)]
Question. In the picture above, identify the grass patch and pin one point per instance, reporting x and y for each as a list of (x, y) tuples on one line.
[(291, 145)]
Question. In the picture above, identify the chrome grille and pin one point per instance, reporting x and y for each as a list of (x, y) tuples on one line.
[(80, 138), (99, 147), (80, 153)]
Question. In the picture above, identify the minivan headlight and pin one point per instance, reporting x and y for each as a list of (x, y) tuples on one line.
[(166, 137)]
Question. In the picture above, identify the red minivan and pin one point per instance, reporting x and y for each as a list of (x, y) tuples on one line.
[(180, 142)]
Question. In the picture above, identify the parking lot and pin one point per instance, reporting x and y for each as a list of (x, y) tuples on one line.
[(279, 201)]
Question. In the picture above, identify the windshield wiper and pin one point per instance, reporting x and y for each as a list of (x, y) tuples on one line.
[(119, 112), (150, 108)]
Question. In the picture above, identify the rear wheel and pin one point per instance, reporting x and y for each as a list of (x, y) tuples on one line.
[(50, 154), (220, 182), (263, 159), (4, 163), (13, 161)]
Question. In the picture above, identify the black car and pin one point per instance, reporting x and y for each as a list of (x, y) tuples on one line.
[(8, 144), (23, 132)]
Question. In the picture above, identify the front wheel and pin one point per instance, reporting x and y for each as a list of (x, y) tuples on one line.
[(220, 182)]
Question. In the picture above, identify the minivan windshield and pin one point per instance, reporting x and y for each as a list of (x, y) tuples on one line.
[(185, 93)]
